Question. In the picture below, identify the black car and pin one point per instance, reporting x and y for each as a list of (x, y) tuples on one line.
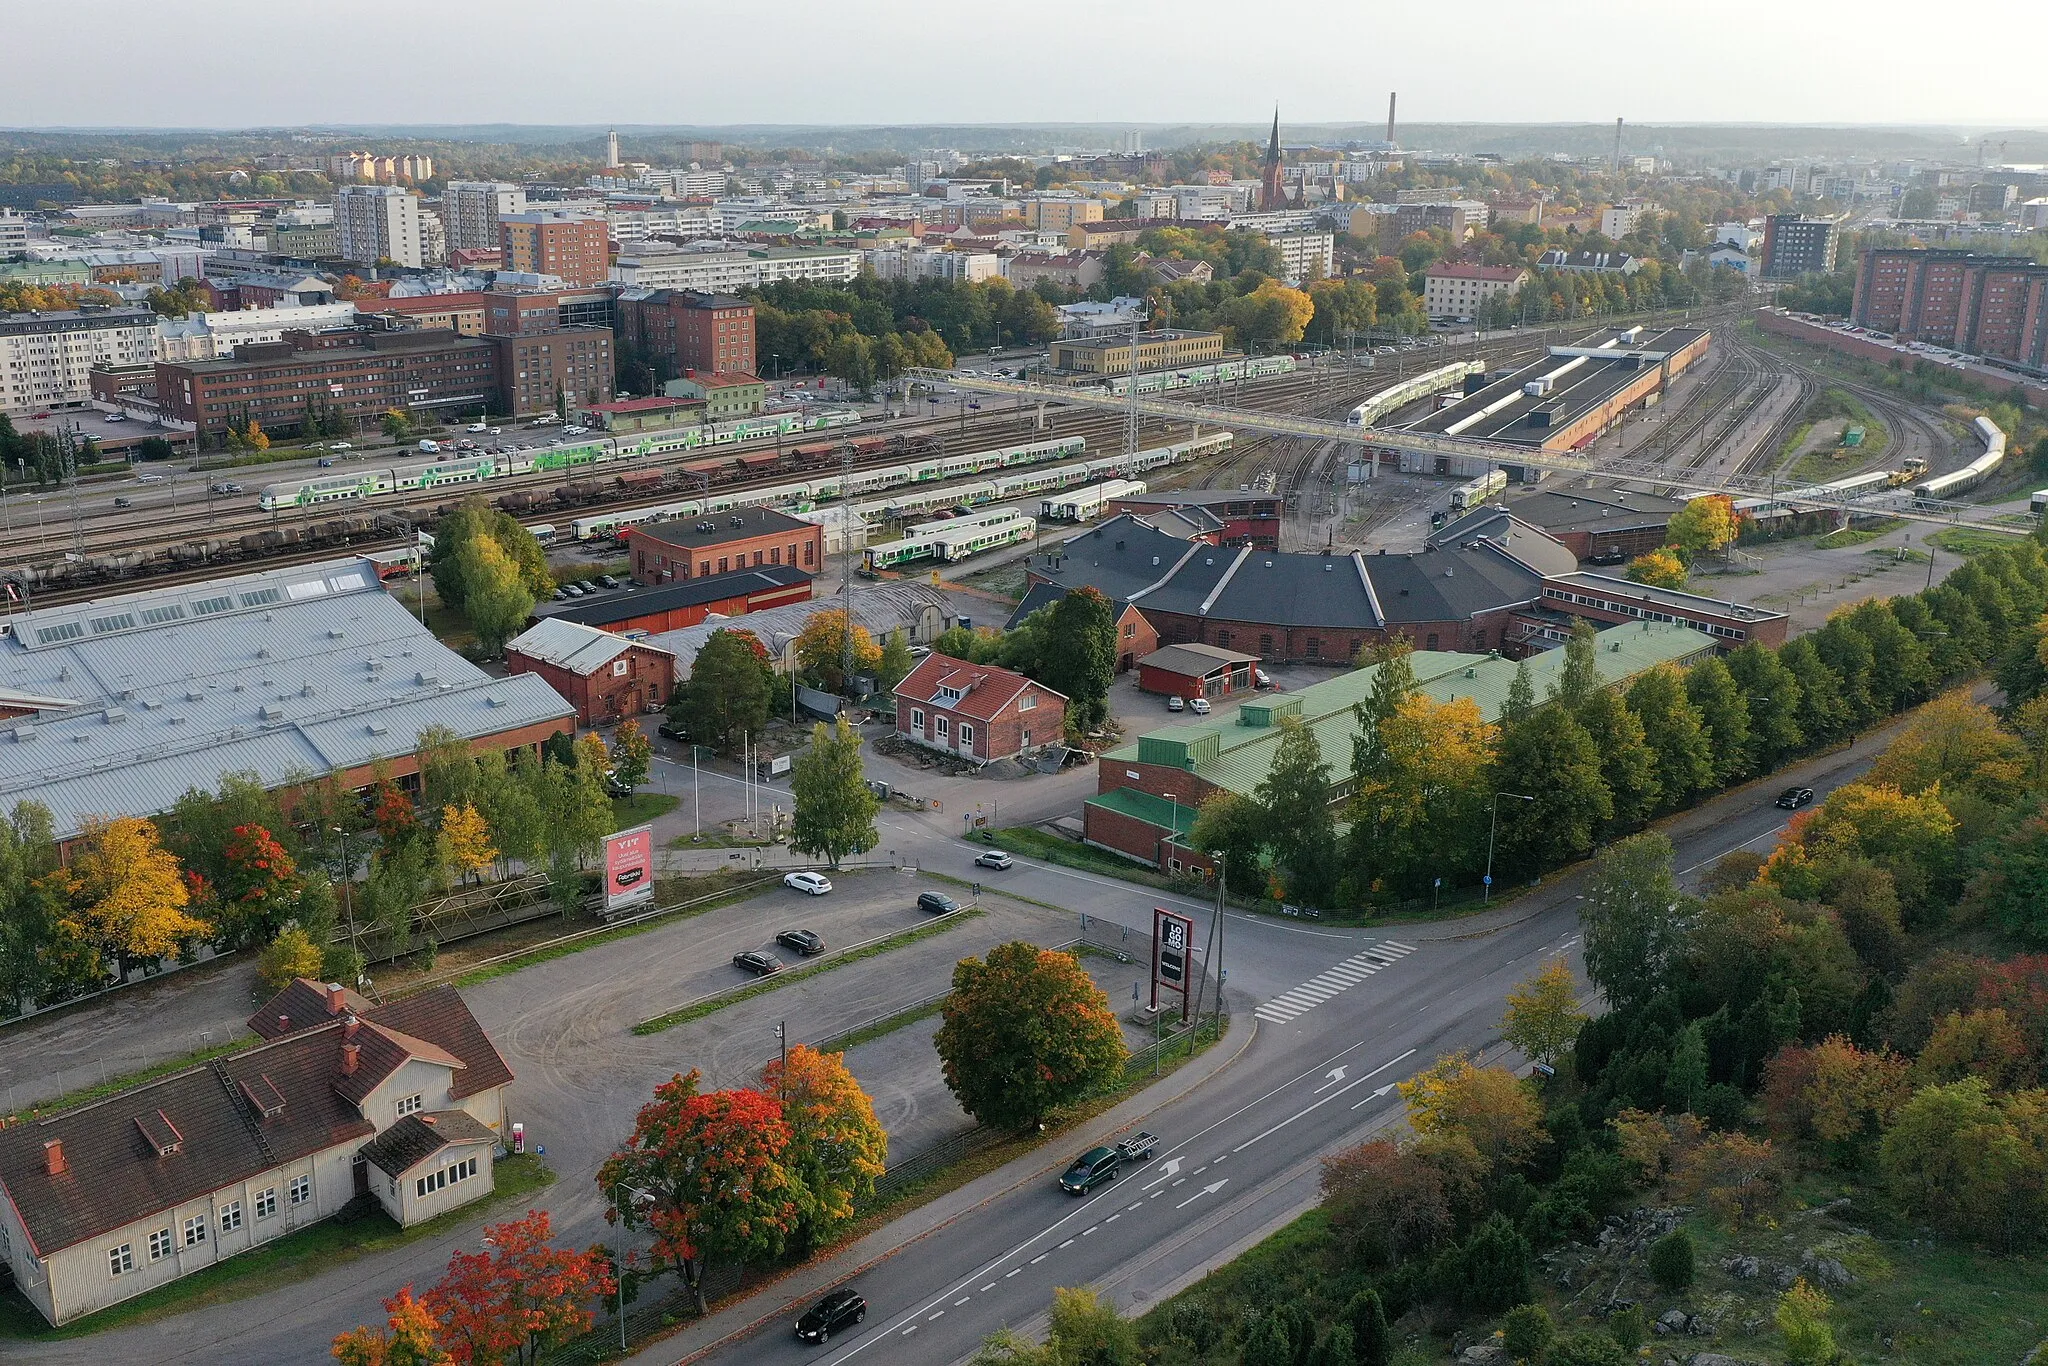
[(937, 903), (669, 730), (756, 962), (805, 942), (1090, 1170), (607, 581), (835, 1313), (1792, 798), (1607, 557)]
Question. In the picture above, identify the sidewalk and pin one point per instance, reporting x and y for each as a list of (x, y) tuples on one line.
[(804, 1284)]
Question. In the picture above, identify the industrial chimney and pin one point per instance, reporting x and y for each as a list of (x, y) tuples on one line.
[(611, 150), (1392, 95), (1617, 144)]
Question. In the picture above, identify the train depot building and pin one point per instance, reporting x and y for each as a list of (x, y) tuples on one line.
[(295, 672), (1148, 793), (606, 677), (633, 610), (718, 543)]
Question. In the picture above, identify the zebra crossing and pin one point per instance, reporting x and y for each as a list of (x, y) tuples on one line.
[(1318, 989)]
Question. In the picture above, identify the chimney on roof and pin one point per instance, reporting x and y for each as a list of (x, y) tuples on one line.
[(349, 1025), (337, 998), (284, 1024), (350, 1055), (53, 1157)]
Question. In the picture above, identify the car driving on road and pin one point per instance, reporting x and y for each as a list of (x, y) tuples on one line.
[(1098, 1165), (805, 942), (993, 858), (1792, 798), (835, 1313), (757, 962), (814, 883)]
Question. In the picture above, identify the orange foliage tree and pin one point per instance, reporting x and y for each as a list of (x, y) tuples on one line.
[(407, 1340), (1834, 1094), (525, 1294), (1025, 1031), (837, 1147), (1489, 1106)]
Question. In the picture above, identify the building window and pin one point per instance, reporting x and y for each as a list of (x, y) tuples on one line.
[(966, 735), (121, 1260), (1130, 629), (408, 1105), (945, 727), (1028, 701), (230, 1216), (916, 718), (160, 1245), (1265, 645), (266, 1203), (810, 552), (1430, 645), (302, 1189), (1315, 647), (195, 1230)]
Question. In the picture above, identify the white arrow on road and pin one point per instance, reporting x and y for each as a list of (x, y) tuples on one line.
[(1166, 1170), (1206, 1190), (1374, 1096), (1336, 1075)]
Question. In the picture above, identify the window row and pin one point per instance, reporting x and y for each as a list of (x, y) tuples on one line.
[(446, 1176)]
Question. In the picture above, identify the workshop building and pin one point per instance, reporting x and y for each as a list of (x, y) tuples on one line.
[(663, 552), (606, 677), (1193, 671), (673, 606)]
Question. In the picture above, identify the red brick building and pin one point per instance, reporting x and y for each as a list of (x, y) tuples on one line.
[(977, 711), (606, 677), (575, 247), (1193, 671), (678, 329), (664, 552), (673, 606), (1982, 305)]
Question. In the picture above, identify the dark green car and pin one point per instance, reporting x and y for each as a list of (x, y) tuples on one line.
[(1090, 1170)]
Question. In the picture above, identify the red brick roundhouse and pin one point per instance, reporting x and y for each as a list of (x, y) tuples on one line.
[(977, 711)]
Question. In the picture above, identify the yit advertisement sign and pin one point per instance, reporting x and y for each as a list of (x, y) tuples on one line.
[(628, 868)]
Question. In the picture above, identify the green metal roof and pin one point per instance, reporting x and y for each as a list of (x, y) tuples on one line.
[(1128, 801), (1236, 754)]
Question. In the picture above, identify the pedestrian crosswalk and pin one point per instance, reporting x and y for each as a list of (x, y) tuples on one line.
[(1343, 976)]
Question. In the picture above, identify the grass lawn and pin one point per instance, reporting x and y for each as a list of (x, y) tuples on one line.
[(1024, 839), (642, 807), (1969, 540), (1847, 537), (290, 1259)]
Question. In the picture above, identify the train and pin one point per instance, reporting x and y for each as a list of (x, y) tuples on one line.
[(1476, 493), (1087, 503), (952, 541), (1251, 367), (481, 466), (1943, 486)]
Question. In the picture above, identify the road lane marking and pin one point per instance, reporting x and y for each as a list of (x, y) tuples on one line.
[(1373, 1097), (1039, 1258), (1063, 1246), (1090, 1229), (908, 1331), (929, 1317), (985, 1289), (1011, 1272), (1133, 1205), (962, 1300), (1170, 1167), (1317, 1105), (1206, 1190), (1332, 981)]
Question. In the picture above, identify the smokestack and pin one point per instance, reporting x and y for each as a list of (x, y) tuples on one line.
[(611, 150), (351, 1054), (1392, 95), (348, 1028), (53, 1157), (1617, 144)]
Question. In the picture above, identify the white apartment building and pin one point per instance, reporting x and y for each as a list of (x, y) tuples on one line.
[(931, 263), (1305, 256), (725, 272), (379, 222), (634, 225), (13, 232), (214, 336), (1457, 289), (471, 210), (766, 209), (1619, 220), (1210, 202), (46, 358)]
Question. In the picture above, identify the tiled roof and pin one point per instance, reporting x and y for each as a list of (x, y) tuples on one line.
[(438, 1019), (984, 689), (303, 1004), (416, 1138)]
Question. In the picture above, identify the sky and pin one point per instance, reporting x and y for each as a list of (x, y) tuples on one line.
[(241, 63)]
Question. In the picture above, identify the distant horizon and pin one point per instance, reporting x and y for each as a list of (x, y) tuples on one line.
[(345, 126)]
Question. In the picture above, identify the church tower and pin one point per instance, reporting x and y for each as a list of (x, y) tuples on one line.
[(1271, 196)]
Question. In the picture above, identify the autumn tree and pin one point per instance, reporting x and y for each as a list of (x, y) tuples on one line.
[(1704, 524), (726, 695), (259, 889), (821, 649), (524, 1295), (466, 848), (1724, 717), (1736, 1176), (127, 893), (1548, 757), (292, 954), (1270, 316), (632, 753), (1489, 1107), (714, 1171), (410, 1337), (1658, 569), (472, 520), (1025, 1031), (494, 598), (1956, 742), (1802, 1318), (834, 809), (837, 1148), (1422, 793), (1543, 1015), (1386, 1202)]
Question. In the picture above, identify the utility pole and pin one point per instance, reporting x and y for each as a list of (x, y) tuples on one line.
[(845, 567)]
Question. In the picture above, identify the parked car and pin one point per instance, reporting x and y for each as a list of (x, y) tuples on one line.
[(113, 417), (757, 962), (477, 427), (340, 446), (587, 585), (994, 858), (1792, 798), (1176, 703), (835, 1313), (1199, 706), (806, 942), (607, 581), (1608, 557), (1261, 679), (669, 730), (938, 903), (574, 590), (815, 883), (562, 595)]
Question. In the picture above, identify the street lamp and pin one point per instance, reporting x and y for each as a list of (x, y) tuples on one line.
[(1493, 825), (641, 1198)]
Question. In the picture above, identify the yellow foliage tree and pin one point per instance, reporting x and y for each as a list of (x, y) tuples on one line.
[(128, 892), (1655, 1143), (466, 846), (1705, 523), (1434, 750), (821, 645), (1877, 820), (1955, 740), (1659, 569), (292, 954), (1543, 1015), (258, 439), (1488, 1106)]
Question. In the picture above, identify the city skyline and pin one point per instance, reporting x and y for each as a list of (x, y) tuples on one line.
[(891, 63)]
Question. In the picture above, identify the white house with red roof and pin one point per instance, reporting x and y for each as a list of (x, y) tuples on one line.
[(977, 711)]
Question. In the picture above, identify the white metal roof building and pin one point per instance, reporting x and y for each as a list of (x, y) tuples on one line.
[(920, 610), (287, 674), (573, 646)]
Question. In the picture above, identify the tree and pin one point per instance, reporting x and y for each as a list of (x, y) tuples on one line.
[(1733, 1174), (1371, 1338), (1295, 799), (1587, 1348), (1079, 656), (1271, 315), (126, 893), (1956, 742), (1549, 757), (632, 753), (1771, 696), (466, 847), (1674, 1261), (1543, 1015), (837, 1148), (494, 597), (1675, 734), (523, 1296), (834, 808), (726, 695), (896, 662), (1724, 716), (1628, 767), (1704, 524), (1487, 1106), (1086, 1330), (1658, 569), (2011, 886), (1834, 1095), (1419, 793), (1385, 1203), (291, 955), (1579, 679), (258, 889), (1493, 1266), (396, 424), (1233, 826), (1025, 1031), (714, 1169), (409, 1339), (821, 649), (1636, 922), (1802, 1316), (1685, 1083), (473, 520)]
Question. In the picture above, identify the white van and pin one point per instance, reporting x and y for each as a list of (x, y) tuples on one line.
[(431, 447)]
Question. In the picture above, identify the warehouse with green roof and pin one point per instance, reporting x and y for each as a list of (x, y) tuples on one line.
[(1149, 791)]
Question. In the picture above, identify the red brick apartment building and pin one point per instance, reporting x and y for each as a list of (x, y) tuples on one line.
[(1983, 305), (977, 711), (572, 246), (664, 552), (679, 329)]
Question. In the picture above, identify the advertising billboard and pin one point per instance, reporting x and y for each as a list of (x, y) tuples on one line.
[(628, 868), (1173, 938)]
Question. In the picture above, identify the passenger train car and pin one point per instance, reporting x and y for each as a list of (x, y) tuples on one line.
[(1943, 486), (1252, 367)]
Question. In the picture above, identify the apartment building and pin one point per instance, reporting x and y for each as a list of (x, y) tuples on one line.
[(47, 359), (370, 166), (1983, 305), (1798, 246), (1305, 256), (678, 330), (212, 336), (1057, 213), (912, 262), (726, 271), (574, 247), (471, 209), (13, 232), (387, 222), (1457, 289)]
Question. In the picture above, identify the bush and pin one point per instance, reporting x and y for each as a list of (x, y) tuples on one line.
[(1527, 1332), (1491, 1271), (1673, 1261), (1629, 1328), (292, 954), (1588, 1349), (1372, 1342)]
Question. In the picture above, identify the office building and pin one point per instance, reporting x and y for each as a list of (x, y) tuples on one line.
[(387, 223), (576, 248), (1160, 350), (665, 552), (472, 208), (13, 232), (675, 330), (46, 359), (1798, 246)]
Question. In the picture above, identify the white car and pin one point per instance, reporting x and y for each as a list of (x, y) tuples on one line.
[(1199, 706), (814, 883)]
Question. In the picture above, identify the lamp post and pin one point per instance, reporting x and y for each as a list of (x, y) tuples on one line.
[(640, 1197), (1492, 826)]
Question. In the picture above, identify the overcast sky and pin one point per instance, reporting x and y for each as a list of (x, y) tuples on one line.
[(231, 63)]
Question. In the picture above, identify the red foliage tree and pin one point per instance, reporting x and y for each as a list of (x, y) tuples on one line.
[(506, 1305), (392, 814)]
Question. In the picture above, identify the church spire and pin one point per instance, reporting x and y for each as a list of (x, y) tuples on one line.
[(1270, 194)]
